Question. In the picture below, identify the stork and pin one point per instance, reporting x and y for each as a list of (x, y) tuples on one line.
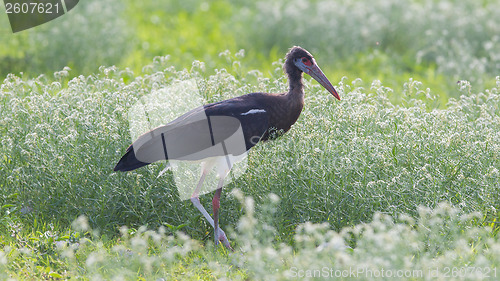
[(200, 134)]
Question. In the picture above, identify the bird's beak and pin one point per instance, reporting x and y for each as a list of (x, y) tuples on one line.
[(319, 76)]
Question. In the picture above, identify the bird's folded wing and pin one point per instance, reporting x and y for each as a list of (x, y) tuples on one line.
[(200, 134)]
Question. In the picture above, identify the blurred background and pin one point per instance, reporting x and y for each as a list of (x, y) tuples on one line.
[(435, 42)]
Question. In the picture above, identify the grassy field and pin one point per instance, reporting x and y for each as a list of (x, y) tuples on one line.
[(435, 42), (399, 179)]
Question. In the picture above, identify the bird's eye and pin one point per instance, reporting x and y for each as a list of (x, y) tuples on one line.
[(306, 61)]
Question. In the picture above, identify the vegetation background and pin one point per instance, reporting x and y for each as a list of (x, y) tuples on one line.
[(402, 175)]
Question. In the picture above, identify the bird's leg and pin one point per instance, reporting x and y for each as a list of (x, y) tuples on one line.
[(215, 207), (219, 235), (196, 202)]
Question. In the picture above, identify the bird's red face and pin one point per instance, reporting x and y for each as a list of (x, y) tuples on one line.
[(308, 65)]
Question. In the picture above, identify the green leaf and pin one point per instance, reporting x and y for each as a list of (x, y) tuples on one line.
[(7, 206), (55, 275)]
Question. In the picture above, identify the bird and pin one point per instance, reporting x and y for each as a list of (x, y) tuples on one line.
[(220, 134)]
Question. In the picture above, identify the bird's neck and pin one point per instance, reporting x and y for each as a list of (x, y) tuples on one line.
[(286, 108), (295, 95), (294, 99)]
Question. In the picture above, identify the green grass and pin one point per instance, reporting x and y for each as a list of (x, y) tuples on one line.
[(441, 242)]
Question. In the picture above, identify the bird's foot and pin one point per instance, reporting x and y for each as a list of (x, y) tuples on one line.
[(219, 235)]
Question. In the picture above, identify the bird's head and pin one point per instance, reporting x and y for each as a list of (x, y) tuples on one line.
[(304, 62)]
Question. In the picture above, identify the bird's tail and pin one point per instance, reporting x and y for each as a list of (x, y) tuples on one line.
[(129, 162)]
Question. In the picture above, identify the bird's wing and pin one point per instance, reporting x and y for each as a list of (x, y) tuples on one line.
[(217, 129)]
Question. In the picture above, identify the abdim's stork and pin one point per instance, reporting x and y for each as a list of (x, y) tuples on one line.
[(217, 133)]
